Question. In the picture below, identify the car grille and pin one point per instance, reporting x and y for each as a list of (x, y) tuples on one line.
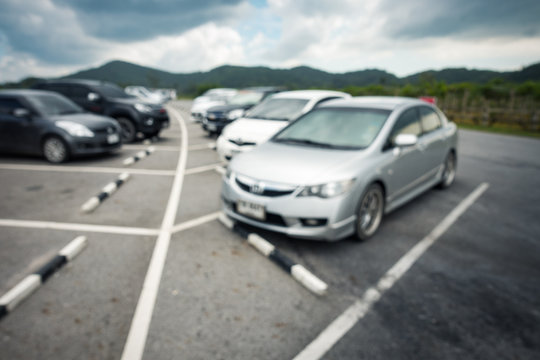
[(264, 190), (271, 218), (105, 130)]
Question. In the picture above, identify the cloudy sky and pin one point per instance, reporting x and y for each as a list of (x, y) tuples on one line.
[(48, 38)]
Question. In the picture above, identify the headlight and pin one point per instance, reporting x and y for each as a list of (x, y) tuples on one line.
[(235, 114), (327, 190), (143, 108), (75, 129)]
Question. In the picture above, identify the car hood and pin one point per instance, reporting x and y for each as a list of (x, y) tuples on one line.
[(297, 165), (89, 120), (226, 108), (205, 105), (253, 130)]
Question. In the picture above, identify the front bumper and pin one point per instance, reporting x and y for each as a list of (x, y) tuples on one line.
[(215, 126), (290, 215), (101, 143), (226, 149)]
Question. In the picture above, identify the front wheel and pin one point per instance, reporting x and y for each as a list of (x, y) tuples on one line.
[(449, 172), (128, 129), (55, 150), (370, 212)]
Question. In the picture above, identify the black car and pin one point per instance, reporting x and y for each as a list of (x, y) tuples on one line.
[(45, 123), (218, 117), (137, 118)]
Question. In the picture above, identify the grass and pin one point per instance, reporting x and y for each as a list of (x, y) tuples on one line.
[(501, 129)]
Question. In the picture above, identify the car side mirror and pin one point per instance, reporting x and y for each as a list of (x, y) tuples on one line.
[(21, 113), (93, 97), (405, 140)]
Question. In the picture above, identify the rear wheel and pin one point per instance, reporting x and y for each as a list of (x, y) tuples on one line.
[(55, 150), (128, 129), (449, 172), (370, 212)]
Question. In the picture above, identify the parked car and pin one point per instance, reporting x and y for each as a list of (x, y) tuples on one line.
[(137, 118), (217, 117), (267, 118), (45, 123), (336, 170), (208, 99), (145, 94)]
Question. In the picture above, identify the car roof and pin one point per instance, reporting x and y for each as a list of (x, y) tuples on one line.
[(309, 94), (24, 92), (375, 102)]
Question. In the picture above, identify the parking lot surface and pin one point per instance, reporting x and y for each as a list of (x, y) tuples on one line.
[(473, 294)]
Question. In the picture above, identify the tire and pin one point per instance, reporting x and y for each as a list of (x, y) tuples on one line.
[(129, 133), (55, 150), (370, 212), (449, 171)]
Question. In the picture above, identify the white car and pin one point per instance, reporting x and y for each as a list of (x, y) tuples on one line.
[(145, 94), (267, 118), (210, 98)]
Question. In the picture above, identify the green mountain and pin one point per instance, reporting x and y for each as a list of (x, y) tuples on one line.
[(124, 73)]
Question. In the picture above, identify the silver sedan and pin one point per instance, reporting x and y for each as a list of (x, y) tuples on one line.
[(336, 170)]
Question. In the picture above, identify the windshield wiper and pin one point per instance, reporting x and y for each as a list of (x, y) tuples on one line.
[(304, 142)]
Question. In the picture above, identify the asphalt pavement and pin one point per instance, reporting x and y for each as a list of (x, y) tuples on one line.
[(474, 293)]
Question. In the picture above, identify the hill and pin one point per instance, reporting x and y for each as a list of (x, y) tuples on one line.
[(124, 73)]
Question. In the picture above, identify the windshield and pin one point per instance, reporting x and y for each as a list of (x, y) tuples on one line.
[(278, 109), (112, 91), (335, 128), (246, 98), (52, 104)]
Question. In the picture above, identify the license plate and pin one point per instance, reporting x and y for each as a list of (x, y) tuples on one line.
[(211, 127), (164, 124), (255, 211), (113, 138)]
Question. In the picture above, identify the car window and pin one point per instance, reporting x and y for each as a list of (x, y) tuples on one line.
[(79, 92), (430, 119), (335, 128), (408, 123), (52, 104), (246, 98), (278, 109), (7, 105), (59, 88)]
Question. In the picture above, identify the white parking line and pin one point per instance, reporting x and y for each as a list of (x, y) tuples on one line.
[(84, 169), (136, 340), (339, 327), (207, 146), (50, 225), (195, 222), (204, 168), (156, 147)]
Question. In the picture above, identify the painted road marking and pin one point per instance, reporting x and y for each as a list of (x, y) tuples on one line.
[(84, 169), (340, 326), (207, 146), (156, 147), (136, 340), (195, 222), (51, 225), (204, 168)]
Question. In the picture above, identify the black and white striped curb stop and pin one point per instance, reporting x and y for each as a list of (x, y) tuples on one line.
[(298, 272), (107, 191), (140, 155), (28, 285)]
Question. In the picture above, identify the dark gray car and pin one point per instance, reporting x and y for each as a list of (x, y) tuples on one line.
[(334, 172), (45, 123)]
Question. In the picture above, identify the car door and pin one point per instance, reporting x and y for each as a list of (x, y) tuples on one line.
[(17, 132), (432, 140), (406, 169)]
